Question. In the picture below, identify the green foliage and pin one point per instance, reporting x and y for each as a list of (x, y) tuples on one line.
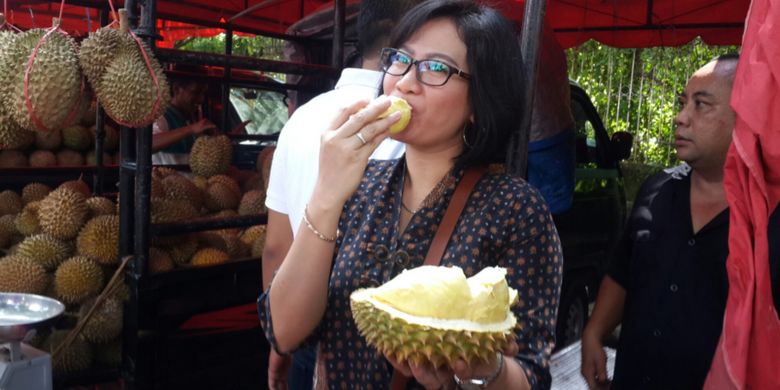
[(636, 90), (257, 46)]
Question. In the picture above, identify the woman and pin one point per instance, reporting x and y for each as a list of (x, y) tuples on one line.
[(457, 64)]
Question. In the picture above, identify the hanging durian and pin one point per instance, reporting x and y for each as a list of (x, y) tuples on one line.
[(54, 82), (128, 91)]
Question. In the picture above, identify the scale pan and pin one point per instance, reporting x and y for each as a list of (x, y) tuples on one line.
[(19, 313)]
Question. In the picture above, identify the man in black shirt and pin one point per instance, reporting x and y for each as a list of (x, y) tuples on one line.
[(668, 283)]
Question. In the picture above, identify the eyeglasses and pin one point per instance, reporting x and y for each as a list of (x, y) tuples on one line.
[(429, 72)]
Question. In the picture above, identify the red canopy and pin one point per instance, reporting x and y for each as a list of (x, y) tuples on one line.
[(621, 23)]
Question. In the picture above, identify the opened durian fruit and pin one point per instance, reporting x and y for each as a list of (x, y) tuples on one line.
[(437, 315)]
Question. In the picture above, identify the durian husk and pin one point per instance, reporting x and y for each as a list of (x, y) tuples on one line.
[(209, 256), (76, 137), (181, 253), (10, 203), (251, 234), (76, 357), (55, 80), (45, 250), (42, 159), (12, 136), (178, 187), (78, 279), (70, 158), (252, 203), (127, 90), (48, 140), (99, 239), (105, 323), (99, 205), (22, 275), (159, 261), (26, 221), (13, 159), (219, 196), (443, 328), (211, 155), (8, 234), (34, 192), (62, 213)]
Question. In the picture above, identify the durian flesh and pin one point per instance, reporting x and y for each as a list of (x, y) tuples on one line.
[(434, 314)]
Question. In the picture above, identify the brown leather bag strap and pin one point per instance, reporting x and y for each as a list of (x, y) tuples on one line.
[(443, 234), (454, 209)]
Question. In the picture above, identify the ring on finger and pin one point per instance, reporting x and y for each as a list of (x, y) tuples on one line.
[(361, 138)]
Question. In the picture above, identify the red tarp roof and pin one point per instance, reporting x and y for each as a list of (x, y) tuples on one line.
[(621, 23)]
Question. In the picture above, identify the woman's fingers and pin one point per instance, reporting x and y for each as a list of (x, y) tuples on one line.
[(402, 367)]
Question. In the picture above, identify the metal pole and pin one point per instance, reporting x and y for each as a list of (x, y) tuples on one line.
[(100, 133), (227, 80), (338, 34), (533, 20)]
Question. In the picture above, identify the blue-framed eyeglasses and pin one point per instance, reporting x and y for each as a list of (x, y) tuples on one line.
[(429, 72)]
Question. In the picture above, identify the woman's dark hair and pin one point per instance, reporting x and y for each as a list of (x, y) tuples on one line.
[(495, 64)]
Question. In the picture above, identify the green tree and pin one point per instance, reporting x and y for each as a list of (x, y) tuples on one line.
[(636, 90)]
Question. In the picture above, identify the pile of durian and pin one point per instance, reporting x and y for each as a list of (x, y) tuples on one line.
[(63, 242)]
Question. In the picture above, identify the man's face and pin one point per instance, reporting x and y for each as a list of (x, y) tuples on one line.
[(705, 121)]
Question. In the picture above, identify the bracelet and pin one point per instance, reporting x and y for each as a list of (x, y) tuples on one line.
[(314, 230), (483, 382)]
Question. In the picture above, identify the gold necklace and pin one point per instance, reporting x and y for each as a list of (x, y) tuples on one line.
[(408, 210)]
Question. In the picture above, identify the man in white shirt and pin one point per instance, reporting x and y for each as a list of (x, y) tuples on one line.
[(296, 162)]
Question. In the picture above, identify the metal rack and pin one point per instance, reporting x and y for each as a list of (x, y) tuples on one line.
[(159, 303)]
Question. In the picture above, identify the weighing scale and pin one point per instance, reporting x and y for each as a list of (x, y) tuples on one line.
[(23, 367)]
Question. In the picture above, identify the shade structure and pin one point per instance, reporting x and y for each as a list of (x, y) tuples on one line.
[(620, 23)]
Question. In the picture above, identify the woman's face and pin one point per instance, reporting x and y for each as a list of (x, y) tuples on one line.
[(438, 113)]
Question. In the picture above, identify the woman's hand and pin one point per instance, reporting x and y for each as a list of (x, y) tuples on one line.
[(344, 150)]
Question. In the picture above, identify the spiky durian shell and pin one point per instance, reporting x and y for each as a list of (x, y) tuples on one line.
[(209, 256), (26, 221), (91, 159), (211, 155), (69, 158), (258, 245), (221, 197), (55, 80), (62, 213), (79, 186), (12, 136), (251, 234), (19, 274), (77, 279), (406, 341), (182, 252), (178, 187), (76, 357), (109, 355), (49, 140), (127, 90), (34, 192), (105, 324), (76, 137), (253, 202), (45, 250), (99, 239), (42, 159), (10, 203), (8, 233), (159, 261), (168, 210), (99, 205), (98, 49), (12, 159)]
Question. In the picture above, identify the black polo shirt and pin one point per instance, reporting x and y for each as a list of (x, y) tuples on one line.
[(677, 285)]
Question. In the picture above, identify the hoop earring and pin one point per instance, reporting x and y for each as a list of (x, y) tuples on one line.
[(465, 138)]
